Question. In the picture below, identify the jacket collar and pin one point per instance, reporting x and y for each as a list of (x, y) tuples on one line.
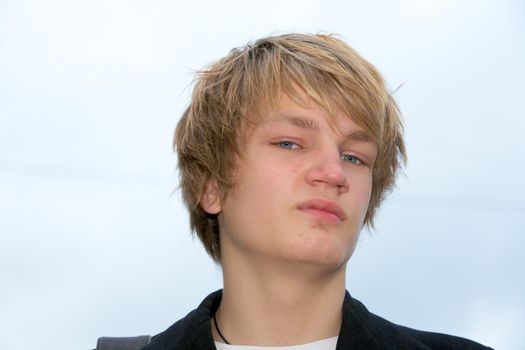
[(194, 331), (354, 332)]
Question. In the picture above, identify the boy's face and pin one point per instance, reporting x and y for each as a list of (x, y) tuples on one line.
[(302, 189)]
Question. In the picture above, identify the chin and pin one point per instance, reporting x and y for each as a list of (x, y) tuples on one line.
[(330, 256)]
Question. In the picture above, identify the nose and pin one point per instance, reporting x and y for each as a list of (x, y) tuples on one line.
[(328, 171)]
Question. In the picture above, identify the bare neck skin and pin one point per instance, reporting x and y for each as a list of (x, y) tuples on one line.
[(269, 303)]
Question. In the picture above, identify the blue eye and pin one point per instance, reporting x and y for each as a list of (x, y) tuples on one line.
[(351, 159), (288, 145)]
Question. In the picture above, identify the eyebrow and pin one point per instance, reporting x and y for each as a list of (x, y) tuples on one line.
[(360, 136), (298, 121), (310, 124)]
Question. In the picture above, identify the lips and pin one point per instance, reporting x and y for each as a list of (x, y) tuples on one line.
[(324, 210)]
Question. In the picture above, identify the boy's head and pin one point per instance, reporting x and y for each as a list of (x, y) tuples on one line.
[(231, 95)]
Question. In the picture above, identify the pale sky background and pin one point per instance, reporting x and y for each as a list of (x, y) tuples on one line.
[(92, 240)]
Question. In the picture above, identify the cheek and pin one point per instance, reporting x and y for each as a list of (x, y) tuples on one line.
[(365, 189), (275, 179), (257, 196), (365, 196), (361, 191), (297, 168)]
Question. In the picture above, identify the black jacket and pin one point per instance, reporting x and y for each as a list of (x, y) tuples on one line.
[(360, 329)]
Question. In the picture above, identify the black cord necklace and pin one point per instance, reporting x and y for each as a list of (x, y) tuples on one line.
[(219, 331)]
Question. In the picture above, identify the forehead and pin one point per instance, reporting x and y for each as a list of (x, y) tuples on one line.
[(343, 126), (307, 115)]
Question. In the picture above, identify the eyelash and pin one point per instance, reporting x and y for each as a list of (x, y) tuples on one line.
[(355, 160), (290, 145), (285, 144)]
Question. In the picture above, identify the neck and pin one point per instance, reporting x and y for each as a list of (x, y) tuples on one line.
[(266, 305)]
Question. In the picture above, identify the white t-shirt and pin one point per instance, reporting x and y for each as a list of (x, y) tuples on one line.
[(323, 344)]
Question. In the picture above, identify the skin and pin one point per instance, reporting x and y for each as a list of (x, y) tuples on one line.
[(284, 264)]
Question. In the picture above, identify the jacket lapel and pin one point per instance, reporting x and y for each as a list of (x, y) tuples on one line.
[(354, 333)]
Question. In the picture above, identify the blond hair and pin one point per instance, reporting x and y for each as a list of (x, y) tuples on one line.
[(233, 88)]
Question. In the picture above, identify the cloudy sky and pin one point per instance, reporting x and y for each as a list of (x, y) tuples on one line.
[(94, 240)]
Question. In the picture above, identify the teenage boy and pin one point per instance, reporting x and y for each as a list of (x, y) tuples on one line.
[(286, 151)]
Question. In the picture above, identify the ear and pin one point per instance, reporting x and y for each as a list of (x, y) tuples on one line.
[(210, 201)]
